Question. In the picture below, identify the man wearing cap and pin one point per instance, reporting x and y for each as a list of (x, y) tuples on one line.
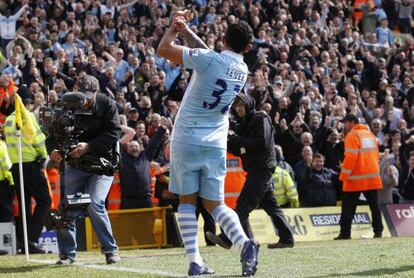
[(99, 142), (360, 173)]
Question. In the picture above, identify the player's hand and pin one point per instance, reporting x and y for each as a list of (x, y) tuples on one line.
[(181, 18), (81, 149), (55, 156)]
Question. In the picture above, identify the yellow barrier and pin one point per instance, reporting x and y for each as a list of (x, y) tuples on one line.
[(307, 224), (133, 228)]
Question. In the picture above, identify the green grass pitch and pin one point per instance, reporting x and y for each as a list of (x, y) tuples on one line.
[(388, 257)]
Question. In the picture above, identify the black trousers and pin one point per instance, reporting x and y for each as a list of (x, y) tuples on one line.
[(349, 205), (35, 186), (143, 201), (6, 202), (209, 223), (257, 190)]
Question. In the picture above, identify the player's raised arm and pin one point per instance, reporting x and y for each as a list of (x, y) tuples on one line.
[(167, 47), (193, 41)]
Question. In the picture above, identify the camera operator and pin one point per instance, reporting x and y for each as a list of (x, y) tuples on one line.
[(96, 142), (35, 184)]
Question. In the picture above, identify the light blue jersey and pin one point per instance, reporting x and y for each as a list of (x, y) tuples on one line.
[(216, 80)]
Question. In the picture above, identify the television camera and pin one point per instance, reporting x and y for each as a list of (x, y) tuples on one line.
[(65, 122)]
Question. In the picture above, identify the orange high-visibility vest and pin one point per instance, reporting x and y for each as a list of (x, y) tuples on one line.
[(360, 168), (357, 15), (53, 181), (234, 181), (154, 172), (5, 95), (114, 196)]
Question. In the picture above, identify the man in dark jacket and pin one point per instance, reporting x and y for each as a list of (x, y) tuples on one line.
[(406, 183), (253, 141), (135, 172), (320, 184)]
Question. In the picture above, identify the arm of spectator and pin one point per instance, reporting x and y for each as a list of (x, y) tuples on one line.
[(394, 175), (155, 142), (27, 45), (20, 12), (129, 134), (289, 89), (126, 5), (365, 114), (307, 174), (109, 57)]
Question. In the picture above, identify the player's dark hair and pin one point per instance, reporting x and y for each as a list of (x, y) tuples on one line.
[(238, 36)]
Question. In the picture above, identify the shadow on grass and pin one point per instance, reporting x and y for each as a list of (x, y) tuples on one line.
[(372, 272), (23, 269)]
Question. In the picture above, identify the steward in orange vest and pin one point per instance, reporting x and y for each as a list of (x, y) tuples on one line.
[(360, 173), (234, 181), (7, 91)]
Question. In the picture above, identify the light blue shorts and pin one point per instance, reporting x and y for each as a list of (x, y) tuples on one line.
[(197, 169)]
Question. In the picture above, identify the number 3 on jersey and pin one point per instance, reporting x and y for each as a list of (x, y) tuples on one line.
[(217, 95)]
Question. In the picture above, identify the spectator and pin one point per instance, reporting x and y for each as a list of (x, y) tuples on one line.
[(307, 154), (320, 184), (384, 34), (8, 24), (406, 182), (389, 178), (134, 173), (405, 8)]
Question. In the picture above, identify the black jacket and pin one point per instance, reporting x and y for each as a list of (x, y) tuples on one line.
[(253, 140), (320, 188), (406, 184), (103, 131)]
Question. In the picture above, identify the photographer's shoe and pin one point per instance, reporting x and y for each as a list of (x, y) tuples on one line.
[(65, 260), (112, 258)]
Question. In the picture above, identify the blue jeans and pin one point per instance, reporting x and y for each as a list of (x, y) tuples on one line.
[(98, 187)]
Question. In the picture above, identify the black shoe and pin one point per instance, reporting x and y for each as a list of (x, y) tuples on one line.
[(341, 237), (216, 239), (34, 248), (112, 258), (378, 235), (65, 260), (279, 245), (3, 252)]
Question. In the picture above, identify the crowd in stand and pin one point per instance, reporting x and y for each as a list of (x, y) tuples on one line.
[(311, 63)]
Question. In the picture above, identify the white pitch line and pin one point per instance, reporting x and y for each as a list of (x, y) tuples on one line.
[(116, 268)]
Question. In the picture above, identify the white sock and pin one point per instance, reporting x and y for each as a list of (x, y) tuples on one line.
[(187, 224), (230, 222)]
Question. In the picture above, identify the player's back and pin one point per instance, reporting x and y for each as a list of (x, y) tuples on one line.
[(217, 79)]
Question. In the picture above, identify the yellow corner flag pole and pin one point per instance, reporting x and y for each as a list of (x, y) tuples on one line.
[(19, 124)]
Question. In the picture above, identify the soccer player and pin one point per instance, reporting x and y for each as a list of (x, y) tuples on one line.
[(199, 138)]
